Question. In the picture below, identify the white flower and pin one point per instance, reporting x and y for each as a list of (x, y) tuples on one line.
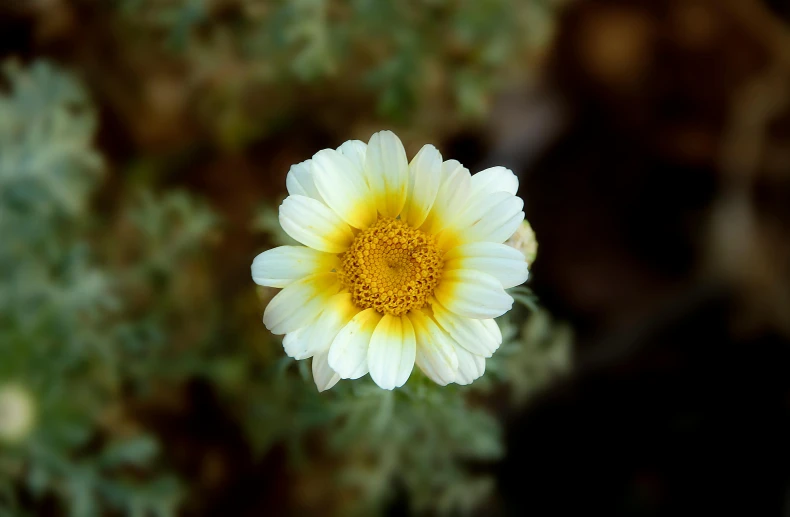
[(16, 413), (403, 263)]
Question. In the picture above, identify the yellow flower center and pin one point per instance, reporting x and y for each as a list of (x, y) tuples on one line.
[(391, 267)]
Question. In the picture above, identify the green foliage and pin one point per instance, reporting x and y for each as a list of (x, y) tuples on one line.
[(61, 335), (536, 351), (422, 436), (416, 59), (48, 166), (52, 296)]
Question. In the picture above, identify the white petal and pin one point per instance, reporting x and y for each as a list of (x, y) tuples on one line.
[(499, 224), (318, 336), (425, 174), (506, 264), (348, 354), (355, 151), (297, 345), (300, 303), (299, 181), (473, 294), (314, 224), (490, 217), (495, 179), (451, 198), (493, 328), (279, 267), (477, 207), (480, 337), (387, 172), (436, 355), (342, 185), (392, 351), (470, 366), (323, 375)]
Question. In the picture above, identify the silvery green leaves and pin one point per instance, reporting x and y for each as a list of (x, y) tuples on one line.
[(47, 162), (64, 343)]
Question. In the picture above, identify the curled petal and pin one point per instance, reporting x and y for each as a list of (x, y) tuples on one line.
[(324, 376), (299, 181)]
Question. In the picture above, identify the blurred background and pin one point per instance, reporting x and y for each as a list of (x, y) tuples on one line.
[(143, 151)]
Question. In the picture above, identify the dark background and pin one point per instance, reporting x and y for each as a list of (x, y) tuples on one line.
[(666, 245)]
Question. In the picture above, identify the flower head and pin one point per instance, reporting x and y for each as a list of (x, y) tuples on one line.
[(16, 413), (403, 263)]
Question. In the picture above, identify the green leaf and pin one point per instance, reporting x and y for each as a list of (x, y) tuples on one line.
[(138, 451)]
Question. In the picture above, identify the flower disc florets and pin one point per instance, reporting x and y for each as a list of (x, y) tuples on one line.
[(391, 267)]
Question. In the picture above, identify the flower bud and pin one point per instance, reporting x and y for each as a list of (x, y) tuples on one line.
[(17, 410), (524, 241)]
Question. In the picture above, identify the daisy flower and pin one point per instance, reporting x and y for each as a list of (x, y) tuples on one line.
[(403, 263)]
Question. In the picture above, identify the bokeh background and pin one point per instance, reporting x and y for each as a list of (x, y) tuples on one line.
[(143, 151)]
